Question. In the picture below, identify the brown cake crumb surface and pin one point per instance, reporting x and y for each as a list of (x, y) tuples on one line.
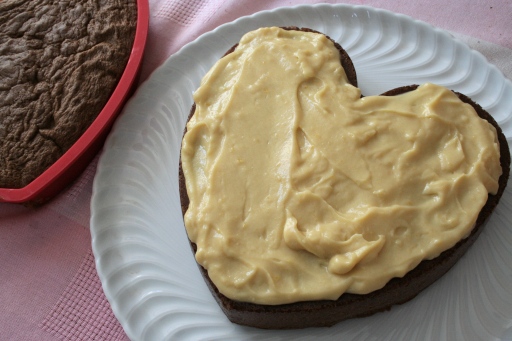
[(59, 63)]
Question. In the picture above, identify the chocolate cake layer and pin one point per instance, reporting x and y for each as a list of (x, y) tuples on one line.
[(59, 63), (398, 290)]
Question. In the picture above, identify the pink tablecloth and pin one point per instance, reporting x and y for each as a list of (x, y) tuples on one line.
[(49, 289)]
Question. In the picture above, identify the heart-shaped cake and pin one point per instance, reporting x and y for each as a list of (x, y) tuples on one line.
[(60, 61), (307, 203)]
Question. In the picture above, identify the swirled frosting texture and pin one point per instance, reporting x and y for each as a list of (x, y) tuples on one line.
[(302, 190)]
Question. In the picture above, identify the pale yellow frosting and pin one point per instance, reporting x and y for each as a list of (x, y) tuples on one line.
[(301, 190)]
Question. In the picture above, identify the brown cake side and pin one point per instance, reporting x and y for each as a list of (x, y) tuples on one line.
[(396, 291), (59, 64)]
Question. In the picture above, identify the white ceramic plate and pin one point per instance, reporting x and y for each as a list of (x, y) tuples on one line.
[(142, 255)]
